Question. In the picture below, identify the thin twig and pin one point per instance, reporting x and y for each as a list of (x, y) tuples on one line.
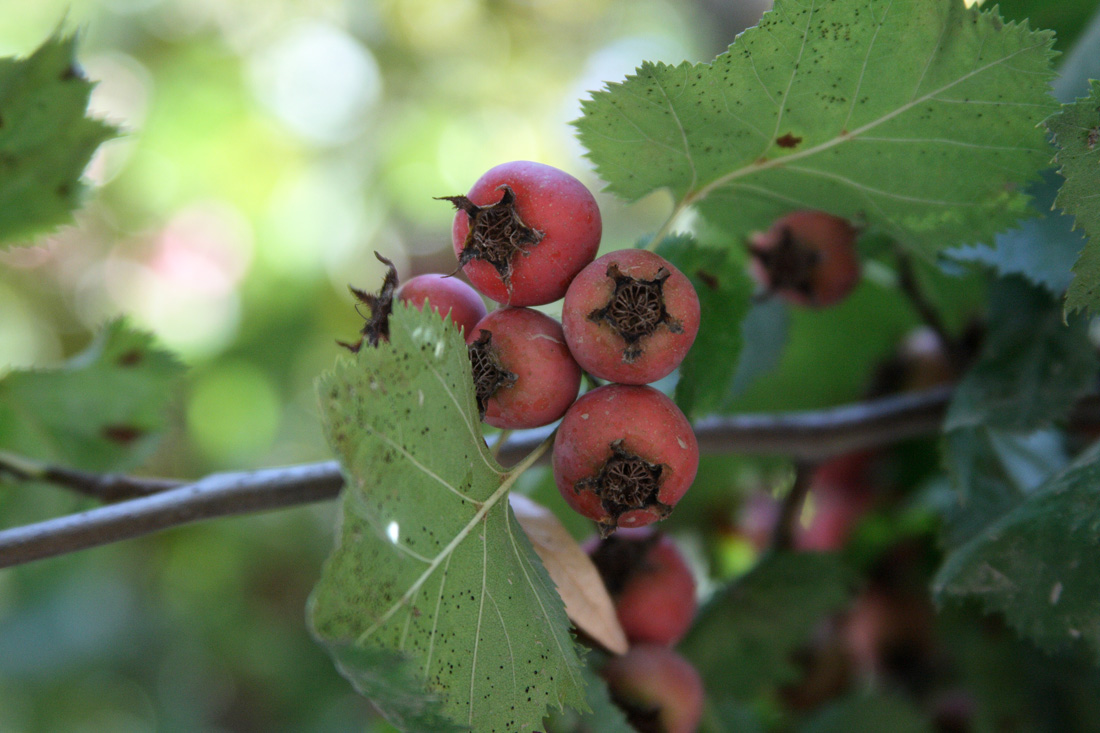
[(214, 496), (804, 436), (910, 286)]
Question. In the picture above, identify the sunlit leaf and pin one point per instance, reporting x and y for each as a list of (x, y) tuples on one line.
[(430, 565), (866, 110), (45, 139)]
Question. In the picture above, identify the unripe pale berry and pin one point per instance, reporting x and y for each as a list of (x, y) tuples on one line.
[(630, 317), (447, 295), (524, 231), (650, 582), (657, 689), (524, 375), (624, 455), (807, 258)]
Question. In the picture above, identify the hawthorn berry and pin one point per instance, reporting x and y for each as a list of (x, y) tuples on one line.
[(630, 317), (807, 258), (650, 583), (656, 688), (524, 231), (447, 295), (524, 375), (624, 455)]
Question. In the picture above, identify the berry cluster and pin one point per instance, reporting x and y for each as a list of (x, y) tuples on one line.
[(654, 594), (527, 234)]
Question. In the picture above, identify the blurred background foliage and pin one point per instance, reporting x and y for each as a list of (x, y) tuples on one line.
[(270, 147)]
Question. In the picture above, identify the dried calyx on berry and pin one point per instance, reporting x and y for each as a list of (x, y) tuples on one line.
[(377, 326), (523, 231), (489, 374), (630, 317), (523, 373), (626, 482), (497, 233), (624, 455), (636, 309)]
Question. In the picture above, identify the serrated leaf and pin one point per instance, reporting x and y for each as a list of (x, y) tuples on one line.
[(876, 111), (604, 716), (1032, 368), (386, 674), (992, 472), (101, 411), (1076, 131), (430, 563), (724, 291), (869, 712), (743, 638), (582, 590), (45, 139), (1037, 563)]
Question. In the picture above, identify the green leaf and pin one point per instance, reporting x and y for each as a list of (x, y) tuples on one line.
[(742, 641), (1076, 131), (604, 716), (992, 472), (877, 111), (45, 139), (1037, 563), (101, 411), (1067, 18), (385, 674), (869, 712), (1011, 683), (724, 291), (1032, 368), (430, 563), (764, 332)]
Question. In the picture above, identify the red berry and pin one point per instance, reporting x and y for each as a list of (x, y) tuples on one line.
[(447, 295), (624, 455), (657, 689), (524, 375), (524, 231), (842, 494), (807, 257), (630, 317), (650, 582)]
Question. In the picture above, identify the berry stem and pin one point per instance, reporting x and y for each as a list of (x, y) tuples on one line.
[(791, 510), (666, 228), (502, 438), (910, 286)]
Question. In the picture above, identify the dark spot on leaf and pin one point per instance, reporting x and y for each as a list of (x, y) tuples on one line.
[(72, 71), (130, 358), (122, 434), (64, 190), (1094, 137), (788, 141), (708, 279)]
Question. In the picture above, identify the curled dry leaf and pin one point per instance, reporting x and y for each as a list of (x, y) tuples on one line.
[(586, 600)]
